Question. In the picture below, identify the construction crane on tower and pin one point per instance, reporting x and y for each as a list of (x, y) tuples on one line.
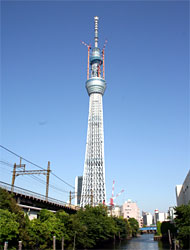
[(103, 59), (89, 48), (103, 53)]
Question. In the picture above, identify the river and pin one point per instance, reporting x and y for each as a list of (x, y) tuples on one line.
[(143, 242)]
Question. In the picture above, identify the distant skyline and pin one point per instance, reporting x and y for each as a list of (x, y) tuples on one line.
[(44, 103)]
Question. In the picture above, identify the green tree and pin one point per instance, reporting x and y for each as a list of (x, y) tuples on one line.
[(45, 215), (158, 225), (128, 228), (43, 229), (88, 228), (74, 229), (167, 225), (182, 222), (9, 227), (134, 226), (7, 202), (99, 226), (123, 228)]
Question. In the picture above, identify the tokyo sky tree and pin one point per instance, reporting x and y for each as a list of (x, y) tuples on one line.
[(93, 186)]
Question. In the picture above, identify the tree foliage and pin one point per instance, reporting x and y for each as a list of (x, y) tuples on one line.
[(7, 202), (43, 229), (158, 225), (134, 226), (182, 222), (123, 228), (99, 227), (9, 226), (87, 228), (167, 225)]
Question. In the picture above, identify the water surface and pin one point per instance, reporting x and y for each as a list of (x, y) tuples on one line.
[(144, 242)]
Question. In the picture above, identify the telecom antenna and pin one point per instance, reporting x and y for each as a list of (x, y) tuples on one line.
[(93, 186)]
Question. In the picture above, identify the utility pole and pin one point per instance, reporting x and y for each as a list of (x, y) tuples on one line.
[(13, 178), (47, 180), (72, 195), (70, 198), (29, 172), (22, 166)]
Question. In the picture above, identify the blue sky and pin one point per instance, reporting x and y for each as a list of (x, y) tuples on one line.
[(44, 104)]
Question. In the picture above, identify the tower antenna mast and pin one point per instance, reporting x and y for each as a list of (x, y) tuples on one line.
[(96, 18)]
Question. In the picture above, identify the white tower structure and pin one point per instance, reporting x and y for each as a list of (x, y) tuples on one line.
[(93, 186)]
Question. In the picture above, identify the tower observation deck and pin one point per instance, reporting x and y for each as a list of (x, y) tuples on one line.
[(93, 187)]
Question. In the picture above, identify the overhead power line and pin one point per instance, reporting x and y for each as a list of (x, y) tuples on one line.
[(5, 168), (8, 164), (21, 157), (10, 151), (44, 183)]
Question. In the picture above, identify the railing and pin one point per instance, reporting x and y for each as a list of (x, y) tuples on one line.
[(22, 191)]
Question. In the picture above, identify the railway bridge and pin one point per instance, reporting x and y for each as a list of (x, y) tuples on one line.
[(32, 202), (149, 230)]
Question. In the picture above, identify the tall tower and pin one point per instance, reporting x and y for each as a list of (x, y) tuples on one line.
[(93, 186)]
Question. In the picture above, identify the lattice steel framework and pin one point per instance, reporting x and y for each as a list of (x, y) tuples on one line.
[(93, 187)]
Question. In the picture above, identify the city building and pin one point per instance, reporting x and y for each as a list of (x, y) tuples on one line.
[(147, 218), (93, 185), (78, 190), (183, 191), (171, 213), (141, 222), (160, 216), (115, 211), (131, 210)]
